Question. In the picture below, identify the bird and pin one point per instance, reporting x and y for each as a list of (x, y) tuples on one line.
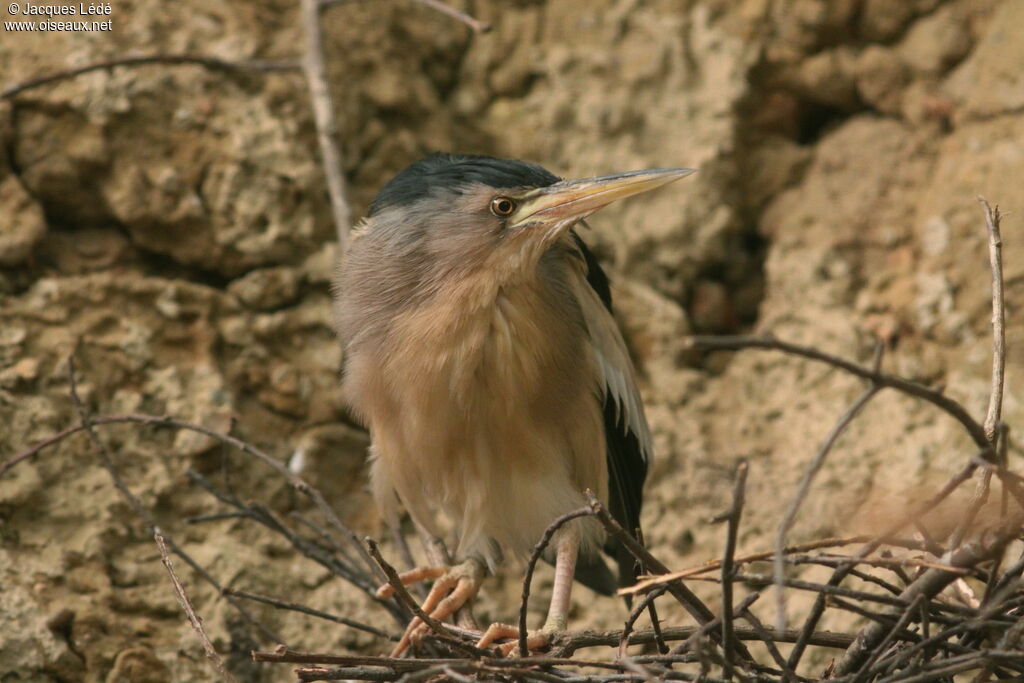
[(480, 351)]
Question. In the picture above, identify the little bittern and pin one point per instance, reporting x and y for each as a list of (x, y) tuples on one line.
[(481, 353)]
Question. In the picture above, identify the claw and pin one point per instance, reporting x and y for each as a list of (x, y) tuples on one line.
[(453, 588)]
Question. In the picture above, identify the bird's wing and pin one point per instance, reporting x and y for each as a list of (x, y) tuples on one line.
[(627, 435)]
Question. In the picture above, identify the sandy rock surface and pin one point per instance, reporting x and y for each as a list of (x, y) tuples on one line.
[(169, 226)]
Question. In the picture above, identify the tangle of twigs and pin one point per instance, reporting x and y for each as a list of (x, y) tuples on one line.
[(913, 632)]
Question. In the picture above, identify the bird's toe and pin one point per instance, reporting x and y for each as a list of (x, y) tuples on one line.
[(535, 640), (413, 576), (453, 588)]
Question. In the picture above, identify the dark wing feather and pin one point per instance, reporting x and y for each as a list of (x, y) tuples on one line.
[(627, 470), (627, 435)]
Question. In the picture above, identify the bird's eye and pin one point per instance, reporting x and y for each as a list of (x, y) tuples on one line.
[(502, 206)]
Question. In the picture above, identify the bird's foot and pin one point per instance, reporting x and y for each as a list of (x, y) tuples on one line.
[(454, 586), (535, 640)]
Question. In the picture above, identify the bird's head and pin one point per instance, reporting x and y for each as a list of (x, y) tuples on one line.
[(461, 213)]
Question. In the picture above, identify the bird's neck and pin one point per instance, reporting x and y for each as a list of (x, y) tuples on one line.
[(476, 325)]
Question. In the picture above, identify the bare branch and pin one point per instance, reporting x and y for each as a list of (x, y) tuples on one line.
[(297, 482), (888, 562), (281, 604), (34, 450), (995, 255), (634, 614), (732, 518), (193, 618), (647, 583), (106, 459), (818, 608), (652, 610), (928, 585), (803, 488), (881, 379), (570, 641), (877, 652), (475, 24), (315, 69), (694, 605), (707, 629), (212, 63), (769, 642), (566, 641), (538, 550)]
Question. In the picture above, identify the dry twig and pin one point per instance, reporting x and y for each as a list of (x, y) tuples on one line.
[(995, 255), (165, 421), (690, 602), (475, 24), (319, 614), (818, 608), (213, 63), (883, 380), (107, 460), (315, 69), (538, 551), (732, 517), (186, 604), (927, 586), (912, 633), (789, 518), (634, 614)]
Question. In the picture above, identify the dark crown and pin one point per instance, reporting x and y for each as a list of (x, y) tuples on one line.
[(452, 172)]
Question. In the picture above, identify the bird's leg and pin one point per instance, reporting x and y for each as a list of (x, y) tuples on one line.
[(567, 550), (565, 572), (453, 587)]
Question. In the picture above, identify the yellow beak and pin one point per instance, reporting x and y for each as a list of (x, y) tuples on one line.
[(576, 199)]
